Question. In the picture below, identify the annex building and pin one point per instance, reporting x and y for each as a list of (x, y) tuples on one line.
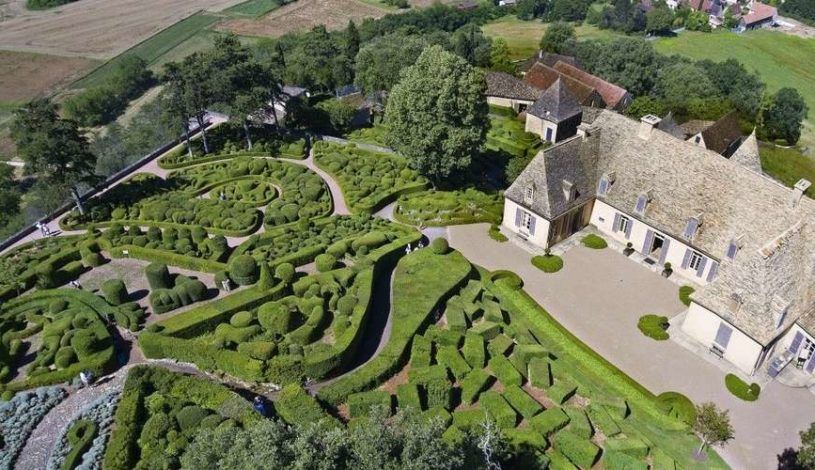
[(746, 241)]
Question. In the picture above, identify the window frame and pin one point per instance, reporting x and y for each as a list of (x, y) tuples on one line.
[(625, 222), (526, 221), (529, 194), (642, 198), (695, 260)]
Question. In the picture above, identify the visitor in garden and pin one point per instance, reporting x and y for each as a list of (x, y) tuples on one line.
[(46, 231), (407, 249), (222, 196), (421, 243), (86, 377), (40, 226), (259, 405), (225, 285), (75, 284)]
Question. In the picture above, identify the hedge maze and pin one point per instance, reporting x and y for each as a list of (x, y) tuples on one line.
[(369, 180)]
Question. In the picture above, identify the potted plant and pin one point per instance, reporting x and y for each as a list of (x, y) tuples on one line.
[(547, 252), (668, 270), (629, 248)]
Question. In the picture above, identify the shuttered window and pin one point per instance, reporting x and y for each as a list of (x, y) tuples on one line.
[(732, 249), (723, 335), (642, 200), (690, 228)]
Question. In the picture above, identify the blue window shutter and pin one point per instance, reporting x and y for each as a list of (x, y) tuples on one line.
[(531, 225), (649, 239), (701, 268), (518, 216), (664, 253), (640, 207), (690, 228), (628, 228), (616, 226), (714, 268), (602, 187), (723, 335), (686, 259), (796, 342), (810, 364)]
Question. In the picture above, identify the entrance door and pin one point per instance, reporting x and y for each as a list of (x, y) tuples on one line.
[(569, 223), (656, 246)]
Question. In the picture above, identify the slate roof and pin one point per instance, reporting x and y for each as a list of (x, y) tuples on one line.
[(542, 77), (775, 264), (747, 154), (723, 134), (669, 125), (556, 104), (612, 94), (504, 85), (695, 126)]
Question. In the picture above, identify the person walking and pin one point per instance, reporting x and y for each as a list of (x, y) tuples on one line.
[(86, 377)]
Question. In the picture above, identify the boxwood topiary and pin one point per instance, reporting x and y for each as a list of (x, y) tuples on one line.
[(243, 269), (158, 276), (594, 241), (440, 246), (284, 272), (114, 291), (325, 262), (548, 263), (241, 319), (739, 388)]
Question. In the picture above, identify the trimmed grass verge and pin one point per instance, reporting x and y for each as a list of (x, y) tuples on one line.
[(548, 263), (594, 242), (740, 388)]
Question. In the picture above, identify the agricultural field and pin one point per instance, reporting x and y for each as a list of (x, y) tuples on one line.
[(523, 37), (25, 75), (780, 59), (97, 29), (302, 15)]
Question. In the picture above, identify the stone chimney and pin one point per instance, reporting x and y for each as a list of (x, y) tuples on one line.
[(647, 125), (798, 192)]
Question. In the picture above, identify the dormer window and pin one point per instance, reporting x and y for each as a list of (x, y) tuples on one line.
[(733, 248), (569, 191), (642, 202), (691, 227), (529, 195), (605, 184)]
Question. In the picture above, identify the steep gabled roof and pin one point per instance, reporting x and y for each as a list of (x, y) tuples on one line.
[(547, 58), (723, 135), (504, 85), (556, 104), (759, 12), (775, 264), (611, 93), (542, 77), (747, 154)]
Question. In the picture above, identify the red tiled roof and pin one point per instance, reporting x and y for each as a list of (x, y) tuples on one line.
[(611, 93), (542, 77), (759, 12)]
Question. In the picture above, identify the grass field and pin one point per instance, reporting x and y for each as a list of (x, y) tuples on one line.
[(523, 37), (154, 48), (787, 165), (253, 8), (781, 60)]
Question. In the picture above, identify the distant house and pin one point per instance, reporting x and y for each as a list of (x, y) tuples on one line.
[(507, 91), (277, 109), (366, 106), (716, 9), (507, 3), (467, 5), (615, 97), (761, 15), (722, 136), (542, 77), (548, 59), (555, 115)]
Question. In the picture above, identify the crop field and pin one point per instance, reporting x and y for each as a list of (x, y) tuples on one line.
[(98, 29), (24, 75), (523, 37), (781, 59), (253, 8), (302, 16)]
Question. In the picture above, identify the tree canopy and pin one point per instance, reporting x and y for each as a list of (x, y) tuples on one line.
[(712, 425), (437, 113), (381, 60), (783, 116), (559, 38), (806, 453)]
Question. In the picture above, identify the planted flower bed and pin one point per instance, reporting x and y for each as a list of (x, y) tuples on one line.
[(82, 443), (20, 415)]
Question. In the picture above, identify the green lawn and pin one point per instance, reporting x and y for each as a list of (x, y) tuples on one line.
[(787, 165), (523, 36), (253, 8), (153, 48), (781, 60)]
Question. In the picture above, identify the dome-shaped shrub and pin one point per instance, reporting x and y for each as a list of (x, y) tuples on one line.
[(325, 262), (440, 246), (158, 276), (241, 319), (284, 272), (244, 270), (114, 291)]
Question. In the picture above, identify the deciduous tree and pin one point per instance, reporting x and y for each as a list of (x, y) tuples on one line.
[(381, 60), (783, 116), (437, 113), (806, 453), (712, 425), (558, 38), (499, 57)]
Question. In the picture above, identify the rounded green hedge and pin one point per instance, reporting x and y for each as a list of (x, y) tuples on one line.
[(325, 262), (243, 269), (594, 242), (114, 291), (284, 272), (440, 246), (548, 263), (158, 276), (654, 326), (740, 388), (241, 319), (678, 406), (685, 293)]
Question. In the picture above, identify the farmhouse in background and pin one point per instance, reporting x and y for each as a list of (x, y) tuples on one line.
[(761, 15), (745, 241)]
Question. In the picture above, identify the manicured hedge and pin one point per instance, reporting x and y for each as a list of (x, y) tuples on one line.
[(114, 291), (498, 408), (407, 395), (550, 421), (685, 293), (562, 390), (243, 269), (600, 418), (654, 326), (594, 241), (582, 452), (500, 345), (522, 402), (421, 352), (618, 461), (440, 208), (361, 404), (473, 384), (80, 437), (579, 422), (473, 350), (158, 276), (505, 371), (450, 357), (678, 406), (296, 407), (487, 330), (548, 263), (632, 446), (167, 258)]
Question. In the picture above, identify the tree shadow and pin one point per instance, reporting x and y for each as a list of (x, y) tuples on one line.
[(788, 460), (137, 295)]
